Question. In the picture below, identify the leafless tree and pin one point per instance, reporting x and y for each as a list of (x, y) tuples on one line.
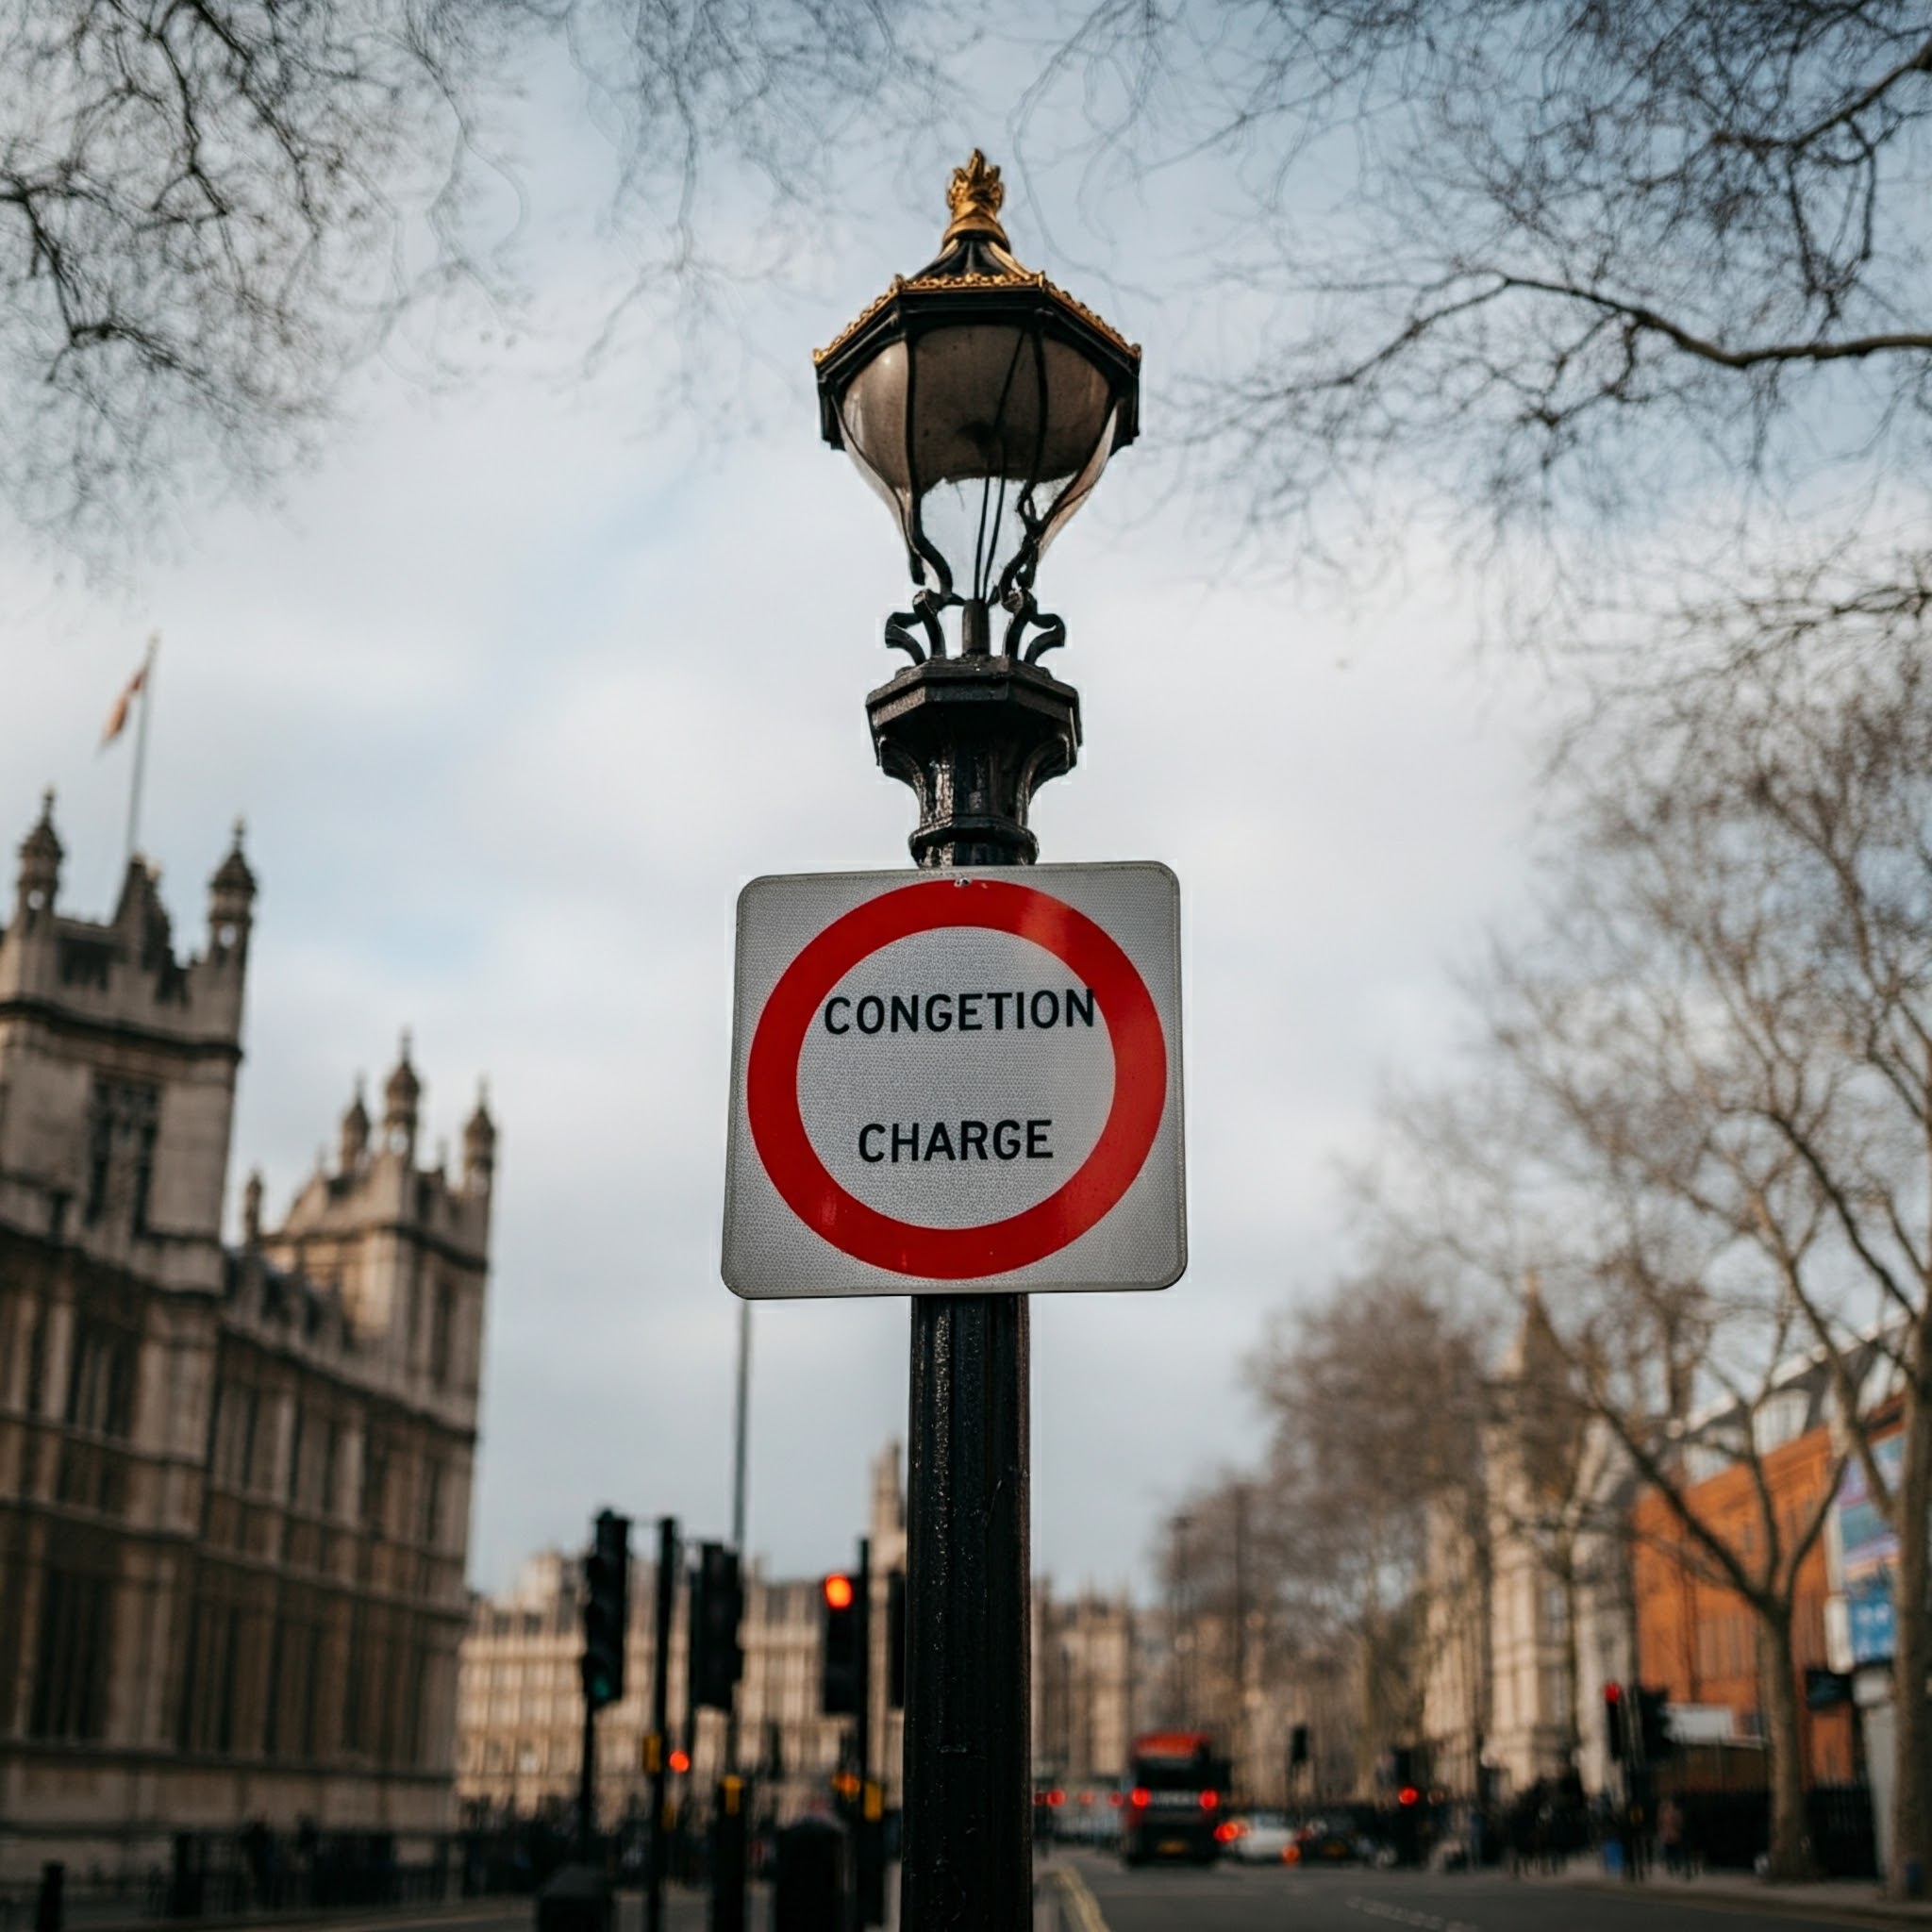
[(1648, 1309), (1319, 1552), (1768, 832), (1655, 268), (1714, 1088), (210, 210)]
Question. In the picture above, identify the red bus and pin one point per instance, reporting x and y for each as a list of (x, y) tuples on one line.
[(1175, 1799)]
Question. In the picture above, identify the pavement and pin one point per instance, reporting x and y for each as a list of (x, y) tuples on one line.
[(684, 1911), (1846, 1900), (1087, 1891)]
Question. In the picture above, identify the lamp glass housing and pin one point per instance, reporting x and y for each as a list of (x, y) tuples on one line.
[(982, 404), (983, 438)]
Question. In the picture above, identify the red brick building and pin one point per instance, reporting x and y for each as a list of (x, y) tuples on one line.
[(1697, 1639)]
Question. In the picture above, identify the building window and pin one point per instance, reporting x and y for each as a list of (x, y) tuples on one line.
[(71, 1673), (432, 1503), (36, 1361), (208, 1684), (123, 1119), (375, 1464), (442, 1333), (331, 1444), (277, 1684), (100, 1390), (236, 1404), (295, 1471), (294, 1675), (1556, 1695), (354, 1684)]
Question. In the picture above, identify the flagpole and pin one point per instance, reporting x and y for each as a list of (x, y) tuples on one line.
[(147, 698)]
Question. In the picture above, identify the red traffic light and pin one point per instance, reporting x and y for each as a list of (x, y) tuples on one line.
[(680, 1762), (838, 1592), (1409, 1795)]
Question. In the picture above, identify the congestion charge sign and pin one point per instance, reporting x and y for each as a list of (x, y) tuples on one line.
[(964, 1081)]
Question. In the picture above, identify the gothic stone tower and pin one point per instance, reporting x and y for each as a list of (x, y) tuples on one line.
[(234, 1486)]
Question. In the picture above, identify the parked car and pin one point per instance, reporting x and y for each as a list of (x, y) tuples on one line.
[(1263, 1838), (1327, 1842)]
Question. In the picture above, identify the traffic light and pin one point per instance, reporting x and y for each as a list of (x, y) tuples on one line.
[(606, 1607), (843, 1682), (1613, 1721), (1654, 1724), (895, 1639), (717, 1605)]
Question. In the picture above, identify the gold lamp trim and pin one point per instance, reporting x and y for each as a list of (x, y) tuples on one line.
[(975, 197)]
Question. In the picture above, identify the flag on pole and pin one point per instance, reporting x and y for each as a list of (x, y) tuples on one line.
[(117, 718)]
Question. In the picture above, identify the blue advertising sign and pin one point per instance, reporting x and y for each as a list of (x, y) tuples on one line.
[(1868, 1555)]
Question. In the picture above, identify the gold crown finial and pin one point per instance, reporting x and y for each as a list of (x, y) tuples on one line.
[(975, 198)]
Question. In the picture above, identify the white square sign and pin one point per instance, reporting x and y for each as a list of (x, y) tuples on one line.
[(957, 1082)]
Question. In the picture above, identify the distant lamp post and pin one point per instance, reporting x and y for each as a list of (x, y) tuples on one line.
[(982, 403)]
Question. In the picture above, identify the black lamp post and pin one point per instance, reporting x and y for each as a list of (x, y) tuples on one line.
[(982, 403)]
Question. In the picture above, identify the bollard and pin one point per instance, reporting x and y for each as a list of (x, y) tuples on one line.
[(47, 1911), (810, 1892), (728, 1822)]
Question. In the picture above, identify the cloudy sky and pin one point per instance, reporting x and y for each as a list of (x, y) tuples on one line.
[(519, 684)]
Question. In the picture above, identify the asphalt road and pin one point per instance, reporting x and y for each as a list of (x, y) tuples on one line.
[(1231, 1898), (1237, 1898)]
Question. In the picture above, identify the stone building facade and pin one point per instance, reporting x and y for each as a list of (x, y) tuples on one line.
[(1527, 1608), (234, 1483), (520, 1704), (1085, 1656)]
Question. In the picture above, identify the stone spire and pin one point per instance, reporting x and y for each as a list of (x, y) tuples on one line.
[(354, 1137), (1534, 1351), (479, 1144), (231, 900), (402, 1096), (39, 865)]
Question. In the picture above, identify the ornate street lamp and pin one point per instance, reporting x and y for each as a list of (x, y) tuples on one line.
[(982, 403)]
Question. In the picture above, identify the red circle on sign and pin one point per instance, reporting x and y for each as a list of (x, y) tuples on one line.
[(995, 1247)]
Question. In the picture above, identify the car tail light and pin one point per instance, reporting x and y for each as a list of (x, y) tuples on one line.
[(1227, 1833), (1139, 1801), (1291, 1855), (1209, 1800)]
